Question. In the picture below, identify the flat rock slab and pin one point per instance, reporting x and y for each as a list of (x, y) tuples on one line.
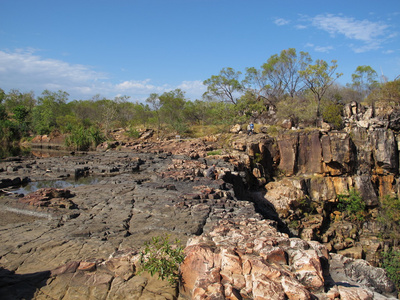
[(136, 197)]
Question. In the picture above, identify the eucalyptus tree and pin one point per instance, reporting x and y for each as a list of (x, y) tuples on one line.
[(364, 80), (285, 70), (279, 76), (318, 77), (226, 86)]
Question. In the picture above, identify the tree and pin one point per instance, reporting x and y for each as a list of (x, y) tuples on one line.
[(16, 98), (2, 95), (225, 86), (51, 105), (364, 81), (154, 101), (286, 67), (171, 110), (318, 78)]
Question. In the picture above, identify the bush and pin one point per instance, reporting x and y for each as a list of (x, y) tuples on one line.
[(133, 133), (214, 152), (389, 216), (391, 263), (160, 257), (82, 138), (353, 204), (332, 114)]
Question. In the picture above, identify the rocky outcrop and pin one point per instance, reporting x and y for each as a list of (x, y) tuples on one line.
[(250, 259), (302, 172)]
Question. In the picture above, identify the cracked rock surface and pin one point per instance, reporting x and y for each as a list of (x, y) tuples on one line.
[(84, 250)]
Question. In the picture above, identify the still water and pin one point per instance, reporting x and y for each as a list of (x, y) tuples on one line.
[(58, 184)]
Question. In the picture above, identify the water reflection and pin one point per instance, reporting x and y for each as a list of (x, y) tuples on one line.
[(12, 150), (58, 184)]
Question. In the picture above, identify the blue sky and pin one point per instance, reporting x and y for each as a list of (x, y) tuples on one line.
[(139, 47)]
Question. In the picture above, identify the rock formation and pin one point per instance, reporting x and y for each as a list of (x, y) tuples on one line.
[(267, 228)]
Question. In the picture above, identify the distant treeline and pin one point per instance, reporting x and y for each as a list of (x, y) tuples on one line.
[(294, 85)]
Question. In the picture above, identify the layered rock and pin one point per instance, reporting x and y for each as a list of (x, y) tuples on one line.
[(250, 259)]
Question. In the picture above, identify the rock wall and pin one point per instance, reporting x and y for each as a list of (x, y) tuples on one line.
[(302, 172)]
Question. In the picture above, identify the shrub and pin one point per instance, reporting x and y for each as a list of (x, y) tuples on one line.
[(391, 263), (82, 139), (389, 216), (214, 152), (390, 208), (353, 204), (133, 133), (331, 113), (159, 256)]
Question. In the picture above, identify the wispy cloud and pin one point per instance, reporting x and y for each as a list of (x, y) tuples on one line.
[(24, 70), (281, 21), (371, 34), (324, 49)]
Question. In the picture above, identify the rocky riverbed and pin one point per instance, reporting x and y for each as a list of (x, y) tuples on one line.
[(83, 242)]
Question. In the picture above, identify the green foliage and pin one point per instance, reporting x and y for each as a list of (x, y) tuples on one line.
[(391, 263), (83, 139), (390, 207), (364, 80), (300, 109), (133, 133), (318, 78), (160, 257), (51, 105), (225, 86), (214, 152), (353, 204), (389, 216), (332, 114), (388, 93)]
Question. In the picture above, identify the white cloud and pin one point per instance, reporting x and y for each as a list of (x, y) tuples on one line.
[(281, 22), (325, 49), (371, 34), (299, 26), (389, 51), (22, 69), (194, 89), (25, 71)]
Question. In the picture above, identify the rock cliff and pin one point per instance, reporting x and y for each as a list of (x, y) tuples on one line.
[(301, 173)]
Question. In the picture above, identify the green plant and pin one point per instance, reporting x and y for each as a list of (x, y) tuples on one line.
[(353, 204), (159, 256), (214, 152), (391, 263), (257, 158), (331, 113), (390, 208), (82, 138), (389, 216), (133, 133)]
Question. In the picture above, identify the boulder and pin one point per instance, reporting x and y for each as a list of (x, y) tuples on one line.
[(236, 128), (285, 195)]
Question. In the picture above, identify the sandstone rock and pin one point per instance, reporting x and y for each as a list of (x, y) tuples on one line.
[(285, 195), (249, 259), (288, 145), (309, 160), (385, 150), (236, 128)]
